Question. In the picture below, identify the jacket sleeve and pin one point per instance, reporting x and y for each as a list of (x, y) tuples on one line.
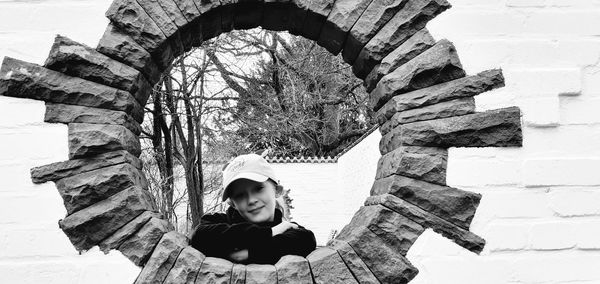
[(215, 237), (293, 241)]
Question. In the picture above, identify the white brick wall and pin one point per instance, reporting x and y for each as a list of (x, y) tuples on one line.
[(540, 211)]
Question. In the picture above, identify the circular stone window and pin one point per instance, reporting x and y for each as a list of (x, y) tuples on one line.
[(422, 98)]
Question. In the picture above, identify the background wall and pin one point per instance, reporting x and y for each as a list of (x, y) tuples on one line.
[(540, 211)]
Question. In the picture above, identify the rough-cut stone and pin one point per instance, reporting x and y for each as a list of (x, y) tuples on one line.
[(297, 16), (214, 271), (87, 139), (395, 229), (460, 236), (452, 108), (293, 269), (188, 8), (116, 44), (61, 113), (339, 22), (384, 260), (78, 60), (27, 80), (163, 258), (437, 65), (424, 163), (248, 14), (86, 228), (451, 204), (460, 88), (172, 10), (277, 15), (412, 18), (186, 267), (82, 190), (138, 247), (317, 13), (408, 50), (494, 128), (358, 268), (129, 16), (56, 171), (328, 267), (238, 274), (377, 14), (118, 237), (260, 273)]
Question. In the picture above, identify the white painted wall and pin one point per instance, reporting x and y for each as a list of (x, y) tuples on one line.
[(540, 211)]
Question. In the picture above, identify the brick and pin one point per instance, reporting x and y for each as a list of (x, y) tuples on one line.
[(552, 235), (575, 201), (561, 171), (540, 112), (506, 236), (579, 110), (586, 234)]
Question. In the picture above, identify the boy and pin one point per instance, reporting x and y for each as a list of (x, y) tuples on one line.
[(253, 229)]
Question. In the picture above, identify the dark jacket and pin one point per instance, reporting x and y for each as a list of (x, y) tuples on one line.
[(220, 234)]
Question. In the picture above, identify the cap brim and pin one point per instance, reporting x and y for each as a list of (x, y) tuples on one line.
[(251, 176)]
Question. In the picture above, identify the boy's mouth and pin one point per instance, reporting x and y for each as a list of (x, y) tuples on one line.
[(255, 210)]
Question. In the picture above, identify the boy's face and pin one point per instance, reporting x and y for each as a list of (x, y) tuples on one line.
[(255, 201)]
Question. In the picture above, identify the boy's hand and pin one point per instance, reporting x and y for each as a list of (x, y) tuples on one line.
[(239, 256), (282, 227)]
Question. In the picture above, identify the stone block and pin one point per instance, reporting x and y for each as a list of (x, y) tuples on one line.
[(116, 44), (189, 9), (118, 237), (460, 236), (277, 15), (460, 88), (163, 258), (495, 128), (27, 80), (87, 139), (413, 46), (260, 273), (339, 22), (358, 268), (384, 260), (412, 18), (78, 60), (56, 171), (451, 204), (157, 11), (85, 189), (61, 113), (437, 65), (428, 164), (186, 267), (397, 230), (133, 20), (88, 227), (171, 9), (214, 271), (210, 24), (445, 109), (317, 13), (328, 267), (298, 15), (375, 16), (238, 274), (293, 269), (139, 246), (248, 14)]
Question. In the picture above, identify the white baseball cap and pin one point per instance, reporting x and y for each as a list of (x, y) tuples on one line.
[(249, 166)]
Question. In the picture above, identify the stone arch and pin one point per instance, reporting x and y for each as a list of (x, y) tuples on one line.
[(422, 97)]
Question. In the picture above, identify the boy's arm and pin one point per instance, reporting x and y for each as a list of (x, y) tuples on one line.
[(215, 237), (299, 241)]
